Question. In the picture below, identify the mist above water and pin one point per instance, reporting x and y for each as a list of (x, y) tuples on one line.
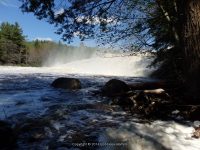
[(62, 56), (84, 61)]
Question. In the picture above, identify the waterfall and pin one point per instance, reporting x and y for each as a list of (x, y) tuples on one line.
[(106, 65), (110, 65)]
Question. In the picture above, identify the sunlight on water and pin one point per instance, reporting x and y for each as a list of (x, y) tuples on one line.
[(25, 93), (135, 66), (117, 66), (158, 135)]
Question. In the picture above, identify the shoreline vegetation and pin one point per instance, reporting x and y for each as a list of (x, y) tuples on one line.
[(15, 50)]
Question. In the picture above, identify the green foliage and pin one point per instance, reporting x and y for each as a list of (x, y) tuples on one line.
[(42, 51), (109, 21), (164, 26), (12, 47)]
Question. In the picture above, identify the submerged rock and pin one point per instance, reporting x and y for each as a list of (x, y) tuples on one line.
[(7, 136), (67, 83), (115, 87)]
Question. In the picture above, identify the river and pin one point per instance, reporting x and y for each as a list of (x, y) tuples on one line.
[(50, 118)]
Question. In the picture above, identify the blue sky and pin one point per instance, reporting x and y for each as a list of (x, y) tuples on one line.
[(32, 27)]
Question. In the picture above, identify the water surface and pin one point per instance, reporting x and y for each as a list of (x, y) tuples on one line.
[(49, 118)]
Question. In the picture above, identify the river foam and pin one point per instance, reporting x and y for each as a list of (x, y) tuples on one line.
[(158, 135), (26, 94), (134, 66)]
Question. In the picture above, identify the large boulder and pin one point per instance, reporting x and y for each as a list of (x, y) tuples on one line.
[(67, 83), (115, 87)]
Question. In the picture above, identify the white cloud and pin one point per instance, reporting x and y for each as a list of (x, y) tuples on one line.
[(43, 39)]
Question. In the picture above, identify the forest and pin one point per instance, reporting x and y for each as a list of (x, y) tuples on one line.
[(16, 50)]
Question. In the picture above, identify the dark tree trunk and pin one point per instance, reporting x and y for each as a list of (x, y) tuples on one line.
[(190, 43)]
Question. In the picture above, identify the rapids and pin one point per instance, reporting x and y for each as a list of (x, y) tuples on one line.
[(60, 119)]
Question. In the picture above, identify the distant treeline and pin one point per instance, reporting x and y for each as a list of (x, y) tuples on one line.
[(15, 50), (47, 52)]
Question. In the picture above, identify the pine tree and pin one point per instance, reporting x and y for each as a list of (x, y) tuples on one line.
[(12, 44)]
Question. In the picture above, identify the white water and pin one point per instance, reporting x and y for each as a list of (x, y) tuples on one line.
[(116, 66), (135, 66), (158, 135), (24, 85)]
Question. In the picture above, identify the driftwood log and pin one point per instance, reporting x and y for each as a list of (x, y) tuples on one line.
[(114, 89), (154, 99)]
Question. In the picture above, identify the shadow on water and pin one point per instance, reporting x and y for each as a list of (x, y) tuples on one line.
[(48, 118)]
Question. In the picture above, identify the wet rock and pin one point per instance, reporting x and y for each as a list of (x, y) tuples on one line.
[(67, 83), (7, 136), (136, 103), (127, 103), (115, 87), (145, 104), (193, 113), (196, 133)]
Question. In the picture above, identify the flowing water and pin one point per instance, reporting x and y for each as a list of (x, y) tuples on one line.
[(50, 118)]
